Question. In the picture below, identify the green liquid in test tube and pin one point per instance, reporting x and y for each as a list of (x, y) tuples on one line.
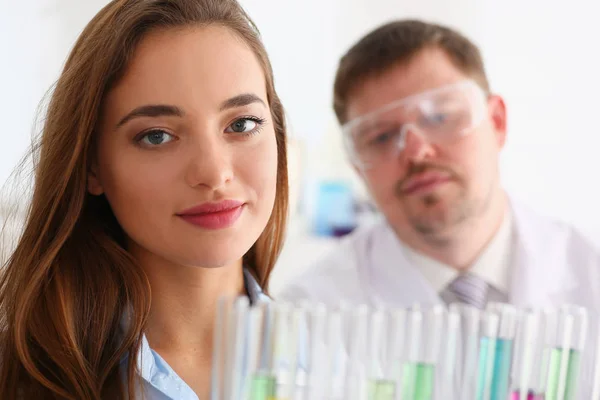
[(417, 381), (382, 389), (263, 387), (554, 375)]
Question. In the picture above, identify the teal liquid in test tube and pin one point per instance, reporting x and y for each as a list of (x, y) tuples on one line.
[(500, 350), (487, 355), (496, 349)]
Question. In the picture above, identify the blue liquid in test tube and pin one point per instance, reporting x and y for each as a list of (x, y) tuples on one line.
[(501, 350)]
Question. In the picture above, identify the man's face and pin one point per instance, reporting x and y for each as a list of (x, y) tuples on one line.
[(427, 186)]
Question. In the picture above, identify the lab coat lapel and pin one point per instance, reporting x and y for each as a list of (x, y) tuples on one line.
[(541, 274), (392, 278)]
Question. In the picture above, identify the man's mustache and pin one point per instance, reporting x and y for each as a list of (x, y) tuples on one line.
[(416, 169)]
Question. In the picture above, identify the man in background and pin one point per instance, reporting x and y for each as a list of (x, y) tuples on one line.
[(424, 132)]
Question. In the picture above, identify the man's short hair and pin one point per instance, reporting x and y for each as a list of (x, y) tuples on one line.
[(397, 43)]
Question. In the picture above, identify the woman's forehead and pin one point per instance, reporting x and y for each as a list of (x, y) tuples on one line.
[(201, 66)]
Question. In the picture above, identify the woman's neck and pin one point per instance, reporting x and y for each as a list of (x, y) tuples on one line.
[(184, 302), (181, 321)]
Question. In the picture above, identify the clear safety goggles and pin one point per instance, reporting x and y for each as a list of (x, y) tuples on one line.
[(439, 116)]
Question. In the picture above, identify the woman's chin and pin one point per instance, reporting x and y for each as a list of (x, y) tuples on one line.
[(214, 257)]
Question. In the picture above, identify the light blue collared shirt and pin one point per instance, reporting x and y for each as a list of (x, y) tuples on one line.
[(159, 380)]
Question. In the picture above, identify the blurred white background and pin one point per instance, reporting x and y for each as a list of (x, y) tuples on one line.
[(541, 56)]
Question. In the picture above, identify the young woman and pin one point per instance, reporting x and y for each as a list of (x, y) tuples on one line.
[(161, 185)]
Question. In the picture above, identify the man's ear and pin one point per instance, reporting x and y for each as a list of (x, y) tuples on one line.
[(497, 114), (94, 186)]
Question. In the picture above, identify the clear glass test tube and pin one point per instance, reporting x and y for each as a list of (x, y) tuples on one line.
[(336, 357), (252, 367), (566, 334), (220, 345), (397, 327), (229, 366), (595, 378), (496, 349), (382, 383), (238, 346), (526, 365), (446, 377), (356, 374), (487, 354), (424, 331), (316, 336), (467, 350), (263, 381)]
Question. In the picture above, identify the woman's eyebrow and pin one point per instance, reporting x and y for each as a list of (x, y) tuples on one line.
[(241, 101), (151, 110), (161, 110)]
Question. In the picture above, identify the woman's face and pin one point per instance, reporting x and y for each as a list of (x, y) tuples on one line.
[(187, 155)]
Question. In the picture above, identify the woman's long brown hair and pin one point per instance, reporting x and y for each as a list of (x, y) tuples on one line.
[(69, 281)]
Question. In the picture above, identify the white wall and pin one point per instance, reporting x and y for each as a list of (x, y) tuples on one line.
[(543, 57), (540, 55), (20, 79)]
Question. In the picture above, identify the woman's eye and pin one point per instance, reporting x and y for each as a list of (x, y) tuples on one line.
[(156, 138), (243, 125)]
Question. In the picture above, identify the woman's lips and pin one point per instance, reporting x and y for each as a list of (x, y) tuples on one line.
[(219, 215)]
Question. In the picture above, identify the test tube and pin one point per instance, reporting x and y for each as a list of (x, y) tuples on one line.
[(397, 339), (356, 378), (285, 350), (567, 333), (264, 383), (228, 364), (424, 338), (448, 371), (487, 355), (525, 374), (382, 384), (334, 358), (396, 351), (238, 346), (317, 347), (596, 369), (253, 351), (220, 345), (496, 346), (468, 345)]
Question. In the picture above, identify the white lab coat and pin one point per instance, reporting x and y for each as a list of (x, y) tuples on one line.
[(553, 265)]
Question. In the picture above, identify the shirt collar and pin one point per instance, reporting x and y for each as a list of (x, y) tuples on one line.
[(493, 265), (253, 289), (437, 274)]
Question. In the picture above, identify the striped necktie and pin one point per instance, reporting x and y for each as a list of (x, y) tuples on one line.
[(469, 289)]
